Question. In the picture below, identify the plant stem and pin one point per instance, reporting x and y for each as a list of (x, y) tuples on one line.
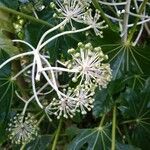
[(64, 33), (33, 19), (127, 135), (97, 6), (125, 22), (102, 120), (128, 121), (57, 135), (133, 29), (23, 146), (40, 120), (113, 146)]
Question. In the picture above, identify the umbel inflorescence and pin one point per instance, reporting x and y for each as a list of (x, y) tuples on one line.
[(23, 129), (86, 67)]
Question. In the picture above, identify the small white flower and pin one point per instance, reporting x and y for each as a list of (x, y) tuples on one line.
[(84, 98), (88, 61), (71, 10), (64, 106), (23, 129), (79, 99), (93, 21)]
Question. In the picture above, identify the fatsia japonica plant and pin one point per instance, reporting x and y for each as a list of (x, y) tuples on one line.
[(74, 74)]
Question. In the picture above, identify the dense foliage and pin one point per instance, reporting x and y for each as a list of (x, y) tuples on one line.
[(115, 109)]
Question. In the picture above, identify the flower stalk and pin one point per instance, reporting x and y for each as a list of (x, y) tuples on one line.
[(132, 31), (97, 6)]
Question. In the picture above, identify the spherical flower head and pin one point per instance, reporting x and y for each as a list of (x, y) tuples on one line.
[(89, 63), (63, 106), (23, 129), (70, 10), (84, 98), (94, 22)]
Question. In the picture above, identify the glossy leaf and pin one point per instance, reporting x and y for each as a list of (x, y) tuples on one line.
[(125, 60), (92, 139), (41, 142), (135, 108), (6, 92), (105, 98)]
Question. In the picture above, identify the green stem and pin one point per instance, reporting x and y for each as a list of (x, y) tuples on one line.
[(125, 22), (113, 146), (133, 29), (127, 135), (57, 135), (33, 19), (97, 6), (23, 146), (102, 120), (128, 121), (38, 123)]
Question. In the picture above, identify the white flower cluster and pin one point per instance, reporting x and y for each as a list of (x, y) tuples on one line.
[(87, 63), (86, 67), (79, 99), (23, 129), (78, 11)]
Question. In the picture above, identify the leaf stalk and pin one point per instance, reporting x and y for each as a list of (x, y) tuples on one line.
[(113, 146), (57, 135)]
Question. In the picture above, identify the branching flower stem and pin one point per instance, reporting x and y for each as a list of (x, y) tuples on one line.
[(61, 69), (139, 34), (29, 100), (141, 9), (97, 6), (112, 4), (24, 42), (52, 83), (15, 57), (37, 61), (33, 86), (139, 23), (51, 30), (23, 70), (59, 93), (64, 33)]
